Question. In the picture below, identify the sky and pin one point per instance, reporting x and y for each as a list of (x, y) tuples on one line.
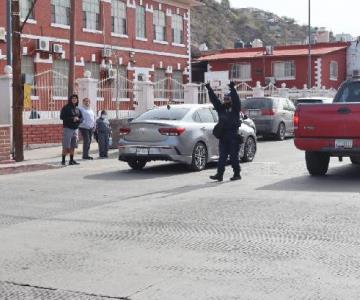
[(337, 16)]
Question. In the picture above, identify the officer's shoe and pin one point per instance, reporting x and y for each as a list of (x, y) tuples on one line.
[(73, 162), (235, 177), (216, 177)]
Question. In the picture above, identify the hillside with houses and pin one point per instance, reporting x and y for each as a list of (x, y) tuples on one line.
[(218, 25)]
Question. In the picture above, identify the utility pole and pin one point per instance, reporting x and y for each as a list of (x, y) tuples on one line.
[(71, 76), (18, 101), (8, 33), (309, 49)]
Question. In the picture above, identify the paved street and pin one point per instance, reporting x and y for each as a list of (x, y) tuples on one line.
[(102, 231)]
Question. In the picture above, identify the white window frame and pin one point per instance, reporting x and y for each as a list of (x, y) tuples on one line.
[(91, 15), (118, 17), (60, 12), (159, 26), (94, 68), (177, 27), (284, 70), (160, 84), (241, 72), (334, 70), (177, 89), (25, 6), (140, 26)]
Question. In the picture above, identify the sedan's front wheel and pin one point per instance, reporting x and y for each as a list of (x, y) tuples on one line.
[(199, 157), (137, 163), (249, 149)]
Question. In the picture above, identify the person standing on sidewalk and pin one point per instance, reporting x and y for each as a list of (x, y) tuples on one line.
[(87, 126), (71, 116), (103, 132)]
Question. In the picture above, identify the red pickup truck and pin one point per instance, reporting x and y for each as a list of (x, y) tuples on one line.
[(330, 130)]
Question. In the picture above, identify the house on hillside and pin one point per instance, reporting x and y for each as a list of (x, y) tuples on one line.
[(281, 64)]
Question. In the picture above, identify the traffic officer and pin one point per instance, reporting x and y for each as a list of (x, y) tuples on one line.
[(228, 125)]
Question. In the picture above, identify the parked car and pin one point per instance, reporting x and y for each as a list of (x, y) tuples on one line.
[(180, 133), (273, 116), (313, 100)]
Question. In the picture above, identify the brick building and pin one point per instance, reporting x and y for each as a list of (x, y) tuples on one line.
[(143, 39), (281, 64), (139, 39)]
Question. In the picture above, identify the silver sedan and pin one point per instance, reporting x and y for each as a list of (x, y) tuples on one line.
[(180, 133)]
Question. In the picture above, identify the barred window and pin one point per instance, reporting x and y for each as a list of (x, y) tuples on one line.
[(241, 72), (177, 29), (160, 84), (94, 68), (334, 70), (159, 25), (25, 6), (91, 14), (140, 22), (118, 16), (284, 70), (177, 85), (60, 78), (60, 12)]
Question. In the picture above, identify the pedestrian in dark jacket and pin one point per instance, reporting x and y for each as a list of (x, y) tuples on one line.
[(103, 132), (71, 116), (229, 123)]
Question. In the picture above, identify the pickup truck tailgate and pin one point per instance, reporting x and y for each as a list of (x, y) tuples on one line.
[(337, 120)]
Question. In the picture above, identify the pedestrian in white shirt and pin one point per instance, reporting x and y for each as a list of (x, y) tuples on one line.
[(87, 126)]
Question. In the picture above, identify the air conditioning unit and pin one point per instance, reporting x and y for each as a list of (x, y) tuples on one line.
[(269, 50), (269, 80), (57, 48), (2, 34), (43, 45), (111, 73), (106, 52)]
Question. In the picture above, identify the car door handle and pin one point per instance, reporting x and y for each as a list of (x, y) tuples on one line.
[(344, 110), (203, 128)]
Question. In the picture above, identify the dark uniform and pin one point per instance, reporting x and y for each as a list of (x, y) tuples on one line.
[(229, 121)]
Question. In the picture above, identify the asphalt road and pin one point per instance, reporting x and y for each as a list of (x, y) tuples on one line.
[(102, 231)]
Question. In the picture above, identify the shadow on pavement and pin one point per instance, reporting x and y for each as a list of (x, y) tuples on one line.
[(340, 179), (149, 172)]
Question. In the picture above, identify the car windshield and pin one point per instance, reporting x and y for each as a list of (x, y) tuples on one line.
[(349, 92), (257, 103), (164, 113)]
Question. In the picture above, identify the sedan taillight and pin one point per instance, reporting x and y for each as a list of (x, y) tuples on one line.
[(171, 131), (124, 131)]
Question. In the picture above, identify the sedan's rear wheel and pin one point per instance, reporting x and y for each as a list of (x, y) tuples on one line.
[(137, 163), (281, 132), (249, 149), (199, 157)]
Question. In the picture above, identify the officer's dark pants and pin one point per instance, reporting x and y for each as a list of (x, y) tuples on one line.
[(103, 141), (86, 135), (229, 146)]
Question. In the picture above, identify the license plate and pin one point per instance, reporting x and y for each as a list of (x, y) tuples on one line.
[(142, 151), (254, 113), (343, 143)]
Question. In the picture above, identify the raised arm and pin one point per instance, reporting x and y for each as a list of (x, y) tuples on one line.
[(213, 98), (234, 97)]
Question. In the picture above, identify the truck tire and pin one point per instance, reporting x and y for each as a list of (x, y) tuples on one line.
[(317, 163), (355, 160)]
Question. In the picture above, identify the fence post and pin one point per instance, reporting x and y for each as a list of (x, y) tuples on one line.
[(283, 91), (88, 89), (145, 98), (191, 93), (258, 91), (6, 113)]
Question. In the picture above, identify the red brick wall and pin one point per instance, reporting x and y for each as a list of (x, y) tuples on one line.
[(4, 143), (42, 134)]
